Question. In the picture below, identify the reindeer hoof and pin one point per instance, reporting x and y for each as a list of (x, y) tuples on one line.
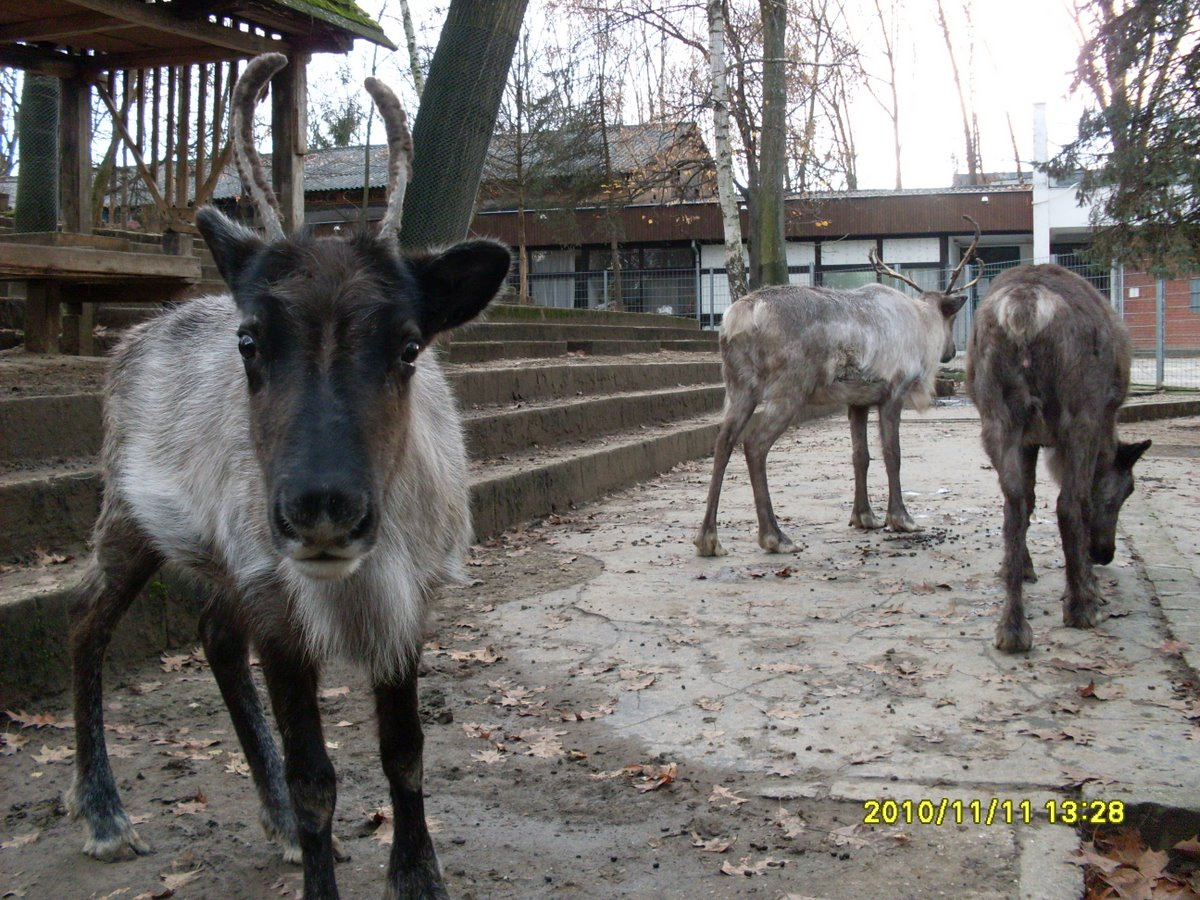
[(1080, 612), (776, 543), (1028, 575), (708, 545), (865, 520), (903, 524), (1014, 637)]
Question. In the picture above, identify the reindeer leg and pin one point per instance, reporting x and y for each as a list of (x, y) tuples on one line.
[(292, 684), (763, 434), (898, 518), (413, 869), (861, 516), (122, 562), (1081, 598), (1013, 633), (227, 650), (739, 407)]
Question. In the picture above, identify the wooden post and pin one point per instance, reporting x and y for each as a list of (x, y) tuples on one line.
[(43, 316), (289, 134), (75, 156)]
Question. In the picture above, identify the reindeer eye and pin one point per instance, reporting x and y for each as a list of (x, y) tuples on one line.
[(247, 347), (409, 354)]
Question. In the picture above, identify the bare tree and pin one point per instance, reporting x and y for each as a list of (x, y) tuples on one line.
[(9, 102), (772, 262), (890, 31), (970, 124), (414, 58), (735, 267)]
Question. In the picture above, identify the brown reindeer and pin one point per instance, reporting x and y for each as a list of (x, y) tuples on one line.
[(1048, 366), (292, 443), (795, 353)]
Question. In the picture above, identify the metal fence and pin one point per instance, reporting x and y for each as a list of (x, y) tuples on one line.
[(1163, 316)]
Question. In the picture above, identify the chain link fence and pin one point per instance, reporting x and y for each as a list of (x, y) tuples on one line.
[(1163, 315)]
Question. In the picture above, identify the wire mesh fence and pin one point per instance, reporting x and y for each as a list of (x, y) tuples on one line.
[(1163, 315)]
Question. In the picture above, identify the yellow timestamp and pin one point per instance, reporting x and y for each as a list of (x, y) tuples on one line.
[(991, 811)]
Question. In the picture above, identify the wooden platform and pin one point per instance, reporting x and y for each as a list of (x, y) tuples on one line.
[(80, 271)]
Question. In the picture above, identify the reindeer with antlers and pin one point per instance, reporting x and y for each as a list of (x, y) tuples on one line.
[(795, 353), (292, 443)]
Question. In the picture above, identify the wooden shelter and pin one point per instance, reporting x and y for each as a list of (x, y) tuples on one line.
[(164, 73)]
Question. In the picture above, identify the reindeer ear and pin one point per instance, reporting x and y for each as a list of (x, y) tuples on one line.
[(458, 283), (1128, 454), (231, 244), (951, 304)]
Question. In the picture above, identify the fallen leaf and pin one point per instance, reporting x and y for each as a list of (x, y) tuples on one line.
[(491, 757), (20, 840), (848, 836), (791, 823), (785, 667), (58, 754), (173, 881), (1172, 648), (197, 804), (747, 868), (722, 796), (1103, 692), (23, 719), (714, 845), (711, 704)]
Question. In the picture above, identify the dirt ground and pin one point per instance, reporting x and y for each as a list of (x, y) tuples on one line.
[(552, 768)]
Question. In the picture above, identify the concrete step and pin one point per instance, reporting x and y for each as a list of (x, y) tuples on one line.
[(465, 352), (41, 429), (577, 331), (496, 432), (34, 597), (47, 507), (511, 312)]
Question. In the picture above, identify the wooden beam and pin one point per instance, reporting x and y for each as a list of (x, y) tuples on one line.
[(168, 56), (289, 136), (53, 30), (74, 155), (38, 61), (86, 265), (139, 161), (201, 31), (43, 316)]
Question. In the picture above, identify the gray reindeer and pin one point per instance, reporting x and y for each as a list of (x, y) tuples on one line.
[(1048, 366), (795, 353), (293, 444)]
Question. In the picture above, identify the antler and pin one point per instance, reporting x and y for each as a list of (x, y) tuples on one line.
[(249, 164), (966, 258), (881, 269), (400, 153)]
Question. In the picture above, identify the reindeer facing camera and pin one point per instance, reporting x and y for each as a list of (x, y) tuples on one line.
[(293, 443)]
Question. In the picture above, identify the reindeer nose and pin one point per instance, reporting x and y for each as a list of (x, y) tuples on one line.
[(323, 514)]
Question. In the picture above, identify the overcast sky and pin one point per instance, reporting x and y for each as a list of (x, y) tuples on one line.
[(1025, 52)]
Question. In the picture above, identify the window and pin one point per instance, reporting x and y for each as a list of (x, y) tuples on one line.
[(1194, 295)]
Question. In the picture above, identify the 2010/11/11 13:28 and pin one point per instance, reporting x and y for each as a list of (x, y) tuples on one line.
[(991, 811)]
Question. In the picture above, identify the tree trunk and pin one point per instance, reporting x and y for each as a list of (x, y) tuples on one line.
[(735, 265), (410, 37), (457, 116), (37, 136), (969, 137), (773, 252)]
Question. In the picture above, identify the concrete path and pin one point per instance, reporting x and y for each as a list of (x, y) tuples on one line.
[(862, 667), (778, 701)]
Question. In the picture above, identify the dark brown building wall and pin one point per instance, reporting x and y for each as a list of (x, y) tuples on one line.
[(1006, 211)]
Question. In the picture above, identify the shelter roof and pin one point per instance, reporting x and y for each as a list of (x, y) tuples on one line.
[(66, 37)]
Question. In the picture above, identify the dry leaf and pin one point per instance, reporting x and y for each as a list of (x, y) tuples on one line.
[(1103, 692), (1172, 648), (715, 845), (791, 823), (722, 796), (58, 754), (711, 704), (491, 757), (197, 804), (20, 840), (23, 719), (173, 881), (747, 868)]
